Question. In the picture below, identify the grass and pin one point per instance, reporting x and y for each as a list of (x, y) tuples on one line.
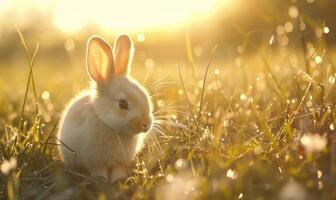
[(238, 133)]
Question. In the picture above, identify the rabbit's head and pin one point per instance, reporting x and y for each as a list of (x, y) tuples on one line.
[(119, 101)]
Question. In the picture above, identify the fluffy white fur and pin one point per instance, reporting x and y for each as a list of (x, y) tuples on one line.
[(95, 133)]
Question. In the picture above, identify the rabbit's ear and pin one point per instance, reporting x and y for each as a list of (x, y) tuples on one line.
[(99, 59), (123, 54)]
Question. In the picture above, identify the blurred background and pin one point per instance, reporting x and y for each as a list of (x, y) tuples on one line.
[(160, 28), (166, 33)]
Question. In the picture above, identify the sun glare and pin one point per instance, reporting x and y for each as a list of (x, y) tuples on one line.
[(71, 16)]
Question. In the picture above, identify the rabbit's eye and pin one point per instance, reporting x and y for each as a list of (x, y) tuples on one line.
[(123, 104)]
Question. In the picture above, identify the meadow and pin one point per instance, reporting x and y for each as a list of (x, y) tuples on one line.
[(256, 124)]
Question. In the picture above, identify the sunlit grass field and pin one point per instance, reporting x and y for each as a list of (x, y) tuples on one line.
[(256, 126)]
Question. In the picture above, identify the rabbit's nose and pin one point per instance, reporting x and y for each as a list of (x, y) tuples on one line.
[(146, 124)]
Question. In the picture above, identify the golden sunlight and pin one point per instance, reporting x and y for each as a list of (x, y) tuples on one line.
[(71, 16)]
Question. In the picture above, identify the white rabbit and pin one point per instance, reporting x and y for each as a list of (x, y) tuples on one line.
[(99, 130)]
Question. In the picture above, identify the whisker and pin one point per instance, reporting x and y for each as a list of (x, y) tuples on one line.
[(171, 109), (153, 144), (157, 142), (160, 79), (157, 130), (170, 123), (160, 85), (156, 82), (149, 145)]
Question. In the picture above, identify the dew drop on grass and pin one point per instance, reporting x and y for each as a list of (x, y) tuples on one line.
[(331, 127), (326, 30), (8, 165), (332, 79), (293, 11), (289, 27), (287, 157), (180, 164), (243, 97), (319, 173), (226, 123), (329, 109), (302, 25), (231, 174), (170, 177), (270, 42), (318, 60), (313, 142), (45, 95)]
